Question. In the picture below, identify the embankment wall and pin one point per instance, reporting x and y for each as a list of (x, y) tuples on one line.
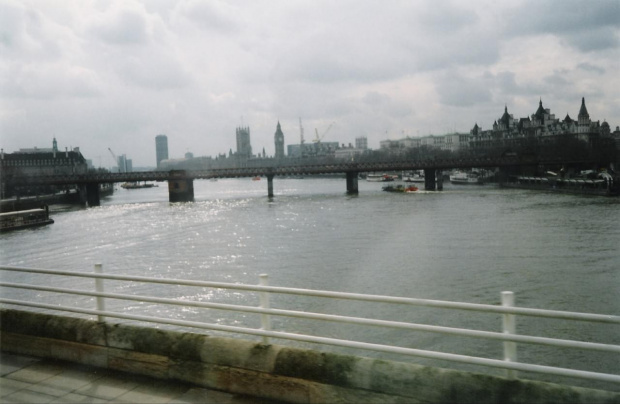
[(270, 371)]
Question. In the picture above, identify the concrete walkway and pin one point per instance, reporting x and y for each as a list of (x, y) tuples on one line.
[(26, 379)]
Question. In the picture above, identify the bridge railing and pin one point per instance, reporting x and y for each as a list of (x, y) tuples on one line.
[(508, 337)]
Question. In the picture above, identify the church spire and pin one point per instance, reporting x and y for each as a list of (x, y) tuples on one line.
[(583, 111)]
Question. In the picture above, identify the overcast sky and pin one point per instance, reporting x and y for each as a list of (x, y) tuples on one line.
[(98, 74)]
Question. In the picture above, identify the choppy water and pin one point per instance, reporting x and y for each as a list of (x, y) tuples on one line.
[(467, 243)]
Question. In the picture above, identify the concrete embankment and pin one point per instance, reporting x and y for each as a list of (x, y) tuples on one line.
[(270, 371)]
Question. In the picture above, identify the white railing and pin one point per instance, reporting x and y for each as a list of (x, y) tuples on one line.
[(507, 310)]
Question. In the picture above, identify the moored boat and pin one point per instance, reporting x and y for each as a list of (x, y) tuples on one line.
[(22, 219), (401, 188), (379, 178), (465, 178), (417, 177), (602, 184), (137, 185)]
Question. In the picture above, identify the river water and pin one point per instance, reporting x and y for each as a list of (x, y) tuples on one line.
[(466, 243)]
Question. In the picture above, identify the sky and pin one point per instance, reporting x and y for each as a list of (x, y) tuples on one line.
[(100, 74)]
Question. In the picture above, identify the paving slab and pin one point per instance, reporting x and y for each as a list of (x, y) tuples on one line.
[(25, 379)]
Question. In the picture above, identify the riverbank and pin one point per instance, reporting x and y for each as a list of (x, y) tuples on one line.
[(33, 202)]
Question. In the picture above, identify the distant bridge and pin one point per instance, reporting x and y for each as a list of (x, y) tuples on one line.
[(180, 182)]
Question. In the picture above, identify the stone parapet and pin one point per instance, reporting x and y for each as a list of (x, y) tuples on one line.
[(274, 372)]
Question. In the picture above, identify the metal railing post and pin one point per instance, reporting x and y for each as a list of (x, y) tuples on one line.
[(509, 327), (265, 319), (99, 289)]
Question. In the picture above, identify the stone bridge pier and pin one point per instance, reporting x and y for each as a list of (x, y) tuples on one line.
[(270, 185), (89, 194), (433, 179), (180, 188), (352, 187)]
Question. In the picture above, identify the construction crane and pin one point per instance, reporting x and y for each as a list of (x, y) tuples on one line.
[(115, 159), (318, 138)]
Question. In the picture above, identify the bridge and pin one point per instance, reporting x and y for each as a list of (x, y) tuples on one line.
[(180, 182)]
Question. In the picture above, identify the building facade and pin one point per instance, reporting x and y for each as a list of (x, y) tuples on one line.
[(40, 162), (361, 142), (542, 125), (161, 149), (244, 147), (125, 165), (507, 131)]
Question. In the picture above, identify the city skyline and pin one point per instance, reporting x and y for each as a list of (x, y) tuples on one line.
[(99, 75)]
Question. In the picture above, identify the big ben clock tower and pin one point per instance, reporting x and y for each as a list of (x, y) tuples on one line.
[(279, 141)]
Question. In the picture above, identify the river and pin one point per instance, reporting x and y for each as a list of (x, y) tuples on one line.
[(465, 243)]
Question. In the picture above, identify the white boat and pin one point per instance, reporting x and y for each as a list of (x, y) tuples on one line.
[(379, 178), (414, 177), (464, 178)]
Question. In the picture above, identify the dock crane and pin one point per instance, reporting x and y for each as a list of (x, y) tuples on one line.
[(318, 138)]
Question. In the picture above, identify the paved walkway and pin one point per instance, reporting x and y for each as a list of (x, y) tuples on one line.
[(29, 380)]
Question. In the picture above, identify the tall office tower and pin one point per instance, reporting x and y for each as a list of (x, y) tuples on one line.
[(279, 141), (125, 165), (244, 148), (161, 148), (361, 142)]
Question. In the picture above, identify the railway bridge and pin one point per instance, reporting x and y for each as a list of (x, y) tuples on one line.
[(181, 189)]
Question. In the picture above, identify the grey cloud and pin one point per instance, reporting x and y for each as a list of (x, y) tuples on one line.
[(460, 91), (591, 68), (28, 35), (473, 49), (54, 82), (208, 16), (593, 40), (126, 27), (384, 104), (154, 71), (445, 16), (585, 25)]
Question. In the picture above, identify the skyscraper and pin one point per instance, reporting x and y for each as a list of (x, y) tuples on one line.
[(161, 148)]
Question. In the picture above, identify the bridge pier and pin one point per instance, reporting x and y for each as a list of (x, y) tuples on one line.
[(180, 189), (429, 179), (270, 185), (93, 196), (439, 180), (89, 194), (352, 187)]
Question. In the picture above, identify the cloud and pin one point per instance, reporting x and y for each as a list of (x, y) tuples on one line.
[(27, 34), (586, 26), (598, 39), (588, 67), (125, 27), (152, 70), (55, 81), (457, 90), (212, 16)]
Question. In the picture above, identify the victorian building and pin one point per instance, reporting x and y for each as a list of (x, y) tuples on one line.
[(542, 125)]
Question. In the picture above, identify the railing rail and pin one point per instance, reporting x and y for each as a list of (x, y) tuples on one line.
[(508, 311)]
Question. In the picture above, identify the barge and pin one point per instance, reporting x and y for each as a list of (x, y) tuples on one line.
[(22, 219), (603, 184)]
